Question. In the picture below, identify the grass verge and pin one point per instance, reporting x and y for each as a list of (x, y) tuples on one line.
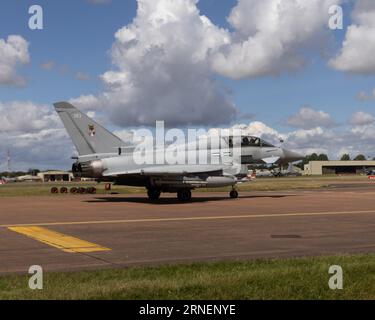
[(302, 278), (261, 184)]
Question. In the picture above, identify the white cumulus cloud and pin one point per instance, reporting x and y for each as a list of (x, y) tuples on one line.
[(166, 61), (270, 35), (86, 102), (334, 141), (357, 52), (361, 118), (161, 69), (34, 135), (25, 116), (14, 51), (308, 118)]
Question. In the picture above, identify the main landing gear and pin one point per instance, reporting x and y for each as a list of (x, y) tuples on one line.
[(233, 194), (153, 194), (184, 195)]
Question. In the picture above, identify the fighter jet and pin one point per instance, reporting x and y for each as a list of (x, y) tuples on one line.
[(107, 158)]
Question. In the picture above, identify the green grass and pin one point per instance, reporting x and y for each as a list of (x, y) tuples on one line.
[(44, 189), (261, 184), (303, 278)]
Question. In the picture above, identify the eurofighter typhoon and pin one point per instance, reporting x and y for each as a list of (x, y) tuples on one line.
[(105, 157)]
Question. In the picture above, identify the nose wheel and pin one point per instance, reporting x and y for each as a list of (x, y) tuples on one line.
[(233, 194)]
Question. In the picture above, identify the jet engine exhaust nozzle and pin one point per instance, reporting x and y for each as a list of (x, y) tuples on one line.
[(89, 169)]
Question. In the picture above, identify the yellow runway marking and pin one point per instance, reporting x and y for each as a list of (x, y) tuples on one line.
[(58, 240), (177, 219)]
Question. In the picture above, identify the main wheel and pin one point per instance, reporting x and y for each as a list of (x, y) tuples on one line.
[(82, 190), (93, 190), (233, 194), (184, 195), (73, 190), (54, 190), (64, 190), (153, 194)]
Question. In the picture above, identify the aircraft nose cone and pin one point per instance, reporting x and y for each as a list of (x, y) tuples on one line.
[(291, 156)]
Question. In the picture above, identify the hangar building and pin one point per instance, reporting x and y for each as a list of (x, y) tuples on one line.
[(337, 167), (56, 176)]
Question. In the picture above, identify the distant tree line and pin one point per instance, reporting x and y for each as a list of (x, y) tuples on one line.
[(313, 157), (360, 157), (15, 174)]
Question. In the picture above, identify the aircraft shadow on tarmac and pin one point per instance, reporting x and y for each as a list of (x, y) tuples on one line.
[(165, 201)]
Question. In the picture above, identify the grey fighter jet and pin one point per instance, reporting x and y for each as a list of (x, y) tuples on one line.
[(107, 158)]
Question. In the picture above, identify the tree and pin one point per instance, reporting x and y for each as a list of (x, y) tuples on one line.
[(323, 157), (33, 172), (360, 157), (345, 157), (312, 157)]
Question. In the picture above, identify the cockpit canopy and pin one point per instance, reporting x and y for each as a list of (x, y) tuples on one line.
[(250, 141)]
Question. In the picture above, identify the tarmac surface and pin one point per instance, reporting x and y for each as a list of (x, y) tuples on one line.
[(67, 232)]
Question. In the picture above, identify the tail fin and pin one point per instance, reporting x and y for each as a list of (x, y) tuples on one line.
[(88, 136)]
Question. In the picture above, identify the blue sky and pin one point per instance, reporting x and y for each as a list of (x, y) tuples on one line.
[(78, 36)]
